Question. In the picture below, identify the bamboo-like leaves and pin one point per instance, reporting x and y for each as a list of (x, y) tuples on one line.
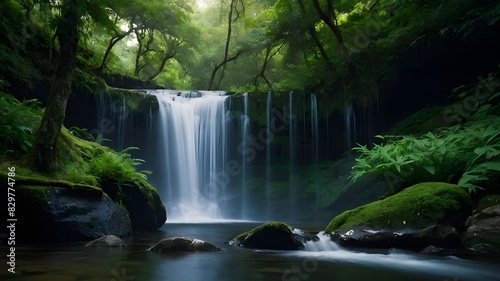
[(471, 150)]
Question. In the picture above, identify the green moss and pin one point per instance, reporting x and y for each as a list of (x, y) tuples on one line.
[(34, 194), (420, 205), (276, 224)]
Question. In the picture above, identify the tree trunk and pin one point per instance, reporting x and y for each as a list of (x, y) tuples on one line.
[(330, 19), (226, 50), (45, 146), (314, 36)]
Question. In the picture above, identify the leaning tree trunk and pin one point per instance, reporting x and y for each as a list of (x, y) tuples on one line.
[(45, 146)]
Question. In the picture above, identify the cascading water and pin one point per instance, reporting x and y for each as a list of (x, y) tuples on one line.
[(245, 132), (314, 129), (193, 128), (291, 143), (269, 102), (350, 125)]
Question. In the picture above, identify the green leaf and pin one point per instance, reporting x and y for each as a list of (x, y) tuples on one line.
[(430, 169)]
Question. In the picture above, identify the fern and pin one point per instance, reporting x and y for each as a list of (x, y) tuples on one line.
[(118, 167), (471, 151)]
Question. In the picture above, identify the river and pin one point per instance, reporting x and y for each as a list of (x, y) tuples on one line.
[(74, 262)]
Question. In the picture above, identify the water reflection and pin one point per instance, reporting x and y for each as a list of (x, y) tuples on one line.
[(76, 263)]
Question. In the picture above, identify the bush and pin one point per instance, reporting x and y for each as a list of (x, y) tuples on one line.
[(468, 154), (18, 124), (118, 167)]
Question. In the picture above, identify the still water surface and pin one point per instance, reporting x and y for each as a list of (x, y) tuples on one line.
[(74, 262)]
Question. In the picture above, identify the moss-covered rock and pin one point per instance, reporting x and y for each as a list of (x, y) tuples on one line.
[(146, 210), (419, 216), (272, 236), (419, 206)]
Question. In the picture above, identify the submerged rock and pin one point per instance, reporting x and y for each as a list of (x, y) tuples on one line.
[(419, 216), (272, 236), (107, 241), (183, 244)]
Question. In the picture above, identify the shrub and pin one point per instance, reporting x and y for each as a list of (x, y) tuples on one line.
[(468, 154)]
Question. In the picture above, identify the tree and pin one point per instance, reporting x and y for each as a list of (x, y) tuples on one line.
[(330, 19), (45, 146), (233, 9)]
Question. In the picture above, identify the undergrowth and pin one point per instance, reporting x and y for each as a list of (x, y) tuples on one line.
[(467, 154), (79, 161)]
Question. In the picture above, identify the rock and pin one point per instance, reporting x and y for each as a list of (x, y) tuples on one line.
[(488, 201), (272, 236), (107, 241), (483, 229), (357, 236), (440, 251), (483, 249), (49, 214), (419, 216), (143, 204), (183, 244)]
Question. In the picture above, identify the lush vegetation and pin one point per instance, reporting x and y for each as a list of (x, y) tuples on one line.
[(18, 124), (233, 45), (467, 154), (81, 162), (418, 206)]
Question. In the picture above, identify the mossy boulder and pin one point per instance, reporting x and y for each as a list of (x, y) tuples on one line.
[(54, 214), (421, 215), (143, 203), (183, 244), (272, 236)]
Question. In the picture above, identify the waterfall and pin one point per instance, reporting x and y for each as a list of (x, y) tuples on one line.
[(350, 125), (193, 131), (324, 243), (245, 133), (314, 129), (269, 102), (292, 194)]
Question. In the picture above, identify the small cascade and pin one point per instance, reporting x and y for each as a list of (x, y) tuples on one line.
[(193, 127), (269, 102), (324, 244), (292, 138), (112, 121), (314, 129), (350, 125), (245, 133)]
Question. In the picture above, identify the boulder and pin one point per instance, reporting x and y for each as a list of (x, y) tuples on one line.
[(183, 244), (444, 236), (49, 214), (107, 241), (483, 230), (488, 201), (143, 204), (419, 216), (272, 236)]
